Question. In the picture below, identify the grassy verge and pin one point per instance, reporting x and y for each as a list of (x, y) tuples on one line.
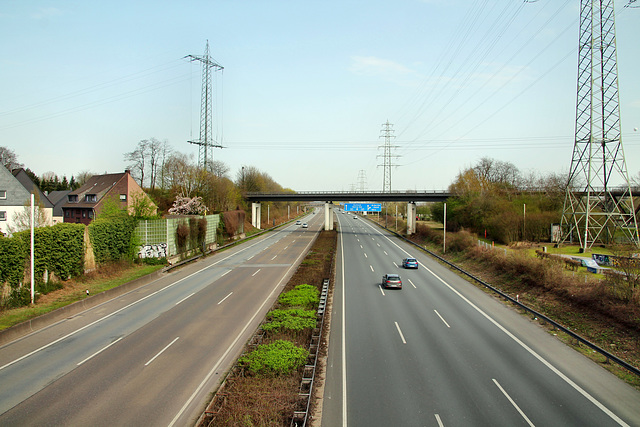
[(74, 290)]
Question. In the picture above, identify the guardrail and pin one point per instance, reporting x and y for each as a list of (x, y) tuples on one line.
[(578, 338)]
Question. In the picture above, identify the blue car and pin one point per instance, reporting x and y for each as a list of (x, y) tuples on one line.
[(410, 263)]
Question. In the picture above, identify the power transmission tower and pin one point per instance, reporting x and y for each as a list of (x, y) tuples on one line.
[(598, 200), (387, 134), (362, 180), (206, 141)]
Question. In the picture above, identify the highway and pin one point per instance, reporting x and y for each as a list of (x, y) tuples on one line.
[(441, 352), (151, 356)]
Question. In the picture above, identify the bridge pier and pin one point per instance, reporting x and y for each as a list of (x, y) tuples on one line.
[(328, 216), (256, 212), (411, 218)]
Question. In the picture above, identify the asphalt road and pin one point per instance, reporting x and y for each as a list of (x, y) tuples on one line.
[(441, 352), (153, 355)]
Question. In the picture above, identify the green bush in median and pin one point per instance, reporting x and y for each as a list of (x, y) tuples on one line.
[(293, 319), (305, 296), (278, 358)]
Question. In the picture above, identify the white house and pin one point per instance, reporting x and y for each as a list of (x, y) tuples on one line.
[(15, 193)]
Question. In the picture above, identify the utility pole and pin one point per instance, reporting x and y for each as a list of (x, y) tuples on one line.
[(598, 200), (206, 141), (387, 134)]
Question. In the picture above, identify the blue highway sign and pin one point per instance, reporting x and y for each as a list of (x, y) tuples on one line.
[(363, 207)]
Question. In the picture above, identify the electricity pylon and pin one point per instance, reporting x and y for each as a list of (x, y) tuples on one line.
[(387, 134), (598, 200), (206, 129), (362, 180)]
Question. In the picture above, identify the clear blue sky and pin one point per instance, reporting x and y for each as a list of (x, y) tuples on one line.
[(306, 85)]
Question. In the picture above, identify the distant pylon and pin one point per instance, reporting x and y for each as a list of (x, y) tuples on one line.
[(387, 134), (362, 180), (598, 200), (206, 129)]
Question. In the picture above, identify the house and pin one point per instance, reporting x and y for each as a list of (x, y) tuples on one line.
[(59, 199), (15, 193), (85, 203)]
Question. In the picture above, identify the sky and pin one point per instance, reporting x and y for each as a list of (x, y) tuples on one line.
[(307, 86)]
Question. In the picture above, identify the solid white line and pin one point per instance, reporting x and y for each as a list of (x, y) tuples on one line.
[(441, 318), (344, 340), (125, 307), (185, 298), (400, 332), (513, 403), (235, 341), (381, 290), (439, 420), (99, 351), (257, 271), (412, 283), (222, 300), (161, 351), (526, 347), (371, 267)]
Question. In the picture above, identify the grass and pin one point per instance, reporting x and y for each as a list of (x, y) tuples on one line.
[(75, 290)]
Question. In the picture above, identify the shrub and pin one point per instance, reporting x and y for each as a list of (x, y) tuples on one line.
[(292, 319), (305, 296), (461, 241), (278, 358), (112, 238)]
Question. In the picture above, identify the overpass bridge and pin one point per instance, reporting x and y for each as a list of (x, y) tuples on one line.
[(329, 197)]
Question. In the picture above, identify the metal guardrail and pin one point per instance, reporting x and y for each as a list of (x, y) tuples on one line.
[(536, 314), (300, 418)]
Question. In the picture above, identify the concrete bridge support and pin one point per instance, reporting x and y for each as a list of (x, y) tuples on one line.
[(256, 212), (328, 216), (411, 218)]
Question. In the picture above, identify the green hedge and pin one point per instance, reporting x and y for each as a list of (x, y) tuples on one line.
[(292, 319), (13, 255), (113, 238), (305, 296)]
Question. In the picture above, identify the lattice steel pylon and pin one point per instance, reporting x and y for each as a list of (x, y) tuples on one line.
[(206, 128), (362, 180), (598, 204), (387, 134)]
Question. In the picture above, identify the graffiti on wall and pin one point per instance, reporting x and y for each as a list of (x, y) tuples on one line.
[(153, 251)]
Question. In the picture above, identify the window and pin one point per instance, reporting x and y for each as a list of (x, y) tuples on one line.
[(3, 194), (3, 215), (91, 198), (123, 197), (67, 214), (84, 213), (91, 214), (73, 198)]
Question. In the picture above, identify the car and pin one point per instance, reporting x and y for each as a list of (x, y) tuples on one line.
[(305, 225), (410, 263), (391, 280), (355, 217), (298, 222)]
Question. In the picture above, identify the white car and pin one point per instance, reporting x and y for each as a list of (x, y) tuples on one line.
[(305, 225)]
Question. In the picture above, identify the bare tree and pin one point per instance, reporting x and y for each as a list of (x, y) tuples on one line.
[(138, 160), (82, 177), (8, 159)]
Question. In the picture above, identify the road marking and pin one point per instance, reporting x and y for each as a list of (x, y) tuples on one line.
[(371, 267), (412, 283), (542, 360), (276, 256), (441, 318), (161, 351), (396, 265), (381, 290), (286, 247), (215, 367), (385, 252), (400, 332), (99, 351), (365, 255), (440, 424), (225, 273), (513, 403), (361, 247), (257, 271), (222, 300), (250, 257), (378, 244), (185, 298)]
